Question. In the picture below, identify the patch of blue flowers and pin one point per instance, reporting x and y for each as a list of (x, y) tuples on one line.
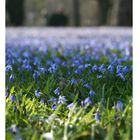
[(90, 73)]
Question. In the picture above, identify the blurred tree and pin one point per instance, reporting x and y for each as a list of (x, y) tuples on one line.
[(104, 6), (125, 13), (15, 11), (76, 12)]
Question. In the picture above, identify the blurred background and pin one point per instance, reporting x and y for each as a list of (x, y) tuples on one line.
[(68, 12)]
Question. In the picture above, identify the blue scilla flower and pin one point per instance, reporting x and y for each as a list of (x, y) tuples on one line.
[(50, 118), (82, 103), (26, 54), (62, 100), (73, 65), (111, 68), (49, 62), (81, 67), (78, 71), (13, 98), (15, 108), (94, 68), (20, 69), (102, 68), (42, 70), (14, 129), (25, 62), (99, 76), (53, 100), (69, 72), (87, 65), (27, 67), (7, 92), (54, 106), (11, 61), (66, 52), (92, 93), (119, 68), (87, 101), (83, 81), (53, 68), (57, 91), (58, 60), (36, 75), (64, 64), (121, 76), (125, 70), (12, 77), (97, 117), (76, 62), (36, 62), (73, 82), (87, 85), (43, 101), (8, 68), (119, 105), (38, 93), (70, 106)]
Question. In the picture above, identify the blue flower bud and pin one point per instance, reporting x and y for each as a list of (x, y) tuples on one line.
[(94, 68), (12, 77), (54, 100), (36, 75), (119, 105), (92, 93), (14, 129), (57, 91), (111, 68), (87, 101), (62, 100), (38, 93), (13, 98), (102, 68), (43, 101), (99, 76), (70, 106), (8, 68), (54, 106), (121, 76), (88, 86), (7, 92), (73, 82), (97, 117)]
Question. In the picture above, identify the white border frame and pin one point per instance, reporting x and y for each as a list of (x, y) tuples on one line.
[(136, 69), (2, 70)]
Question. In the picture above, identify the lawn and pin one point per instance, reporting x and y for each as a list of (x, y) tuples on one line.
[(69, 87)]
